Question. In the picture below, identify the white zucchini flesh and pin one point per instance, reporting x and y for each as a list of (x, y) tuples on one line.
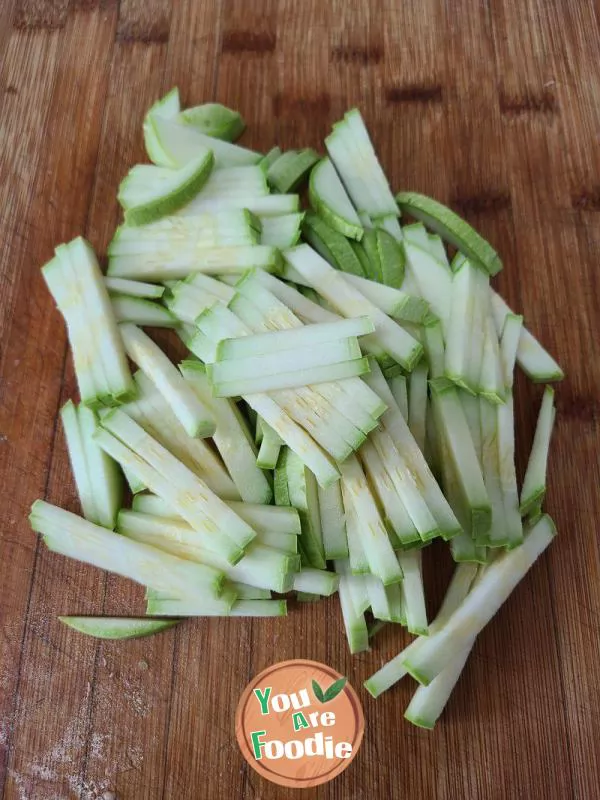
[(231, 437), (461, 324), (273, 205), (329, 198), (290, 169), (141, 311), (353, 399), (175, 238), (399, 388), (283, 231), (491, 379), (333, 522), (490, 464), (296, 438), (460, 584), (433, 279), (357, 557), (306, 309), (241, 608), (193, 415), (478, 322), (354, 621), (262, 518), (270, 447), (437, 248), (413, 592), (293, 338), (228, 183), (350, 302), (480, 605), (416, 233), (402, 438), (134, 288), (316, 581), (76, 283), (168, 106), (285, 542), (333, 432), (175, 606), (378, 599), (534, 482), (245, 592), (393, 302), (333, 408), (220, 322), (453, 427), (186, 303), (214, 120), (225, 259), (417, 403), (339, 370), (182, 143), (69, 415), (374, 537), (396, 516), (71, 535), (508, 474), (105, 476), (261, 566), (509, 345), (275, 314), (204, 283), (148, 193), (405, 484), (154, 415), (304, 496), (390, 224), (472, 410), (135, 484), (533, 359), (428, 702), (345, 154), (352, 152), (201, 505), (462, 546), (433, 342), (359, 589)]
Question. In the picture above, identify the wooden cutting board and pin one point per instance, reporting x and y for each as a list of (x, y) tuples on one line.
[(492, 106)]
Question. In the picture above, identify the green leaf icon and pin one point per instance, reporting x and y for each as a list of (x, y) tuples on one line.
[(318, 692), (335, 689)]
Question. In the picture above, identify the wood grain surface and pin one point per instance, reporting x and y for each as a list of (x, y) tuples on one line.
[(493, 106)]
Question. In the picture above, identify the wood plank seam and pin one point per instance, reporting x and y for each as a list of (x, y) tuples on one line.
[(587, 199), (46, 15), (415, 93), (248, 42), (529, 102), (364, 55), (488, 202)]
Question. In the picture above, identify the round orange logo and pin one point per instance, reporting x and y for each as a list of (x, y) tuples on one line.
[(299, 723)]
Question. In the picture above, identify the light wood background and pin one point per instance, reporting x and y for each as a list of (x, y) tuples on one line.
[(493, 106)]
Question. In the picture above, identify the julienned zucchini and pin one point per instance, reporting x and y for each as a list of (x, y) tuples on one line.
[(376, 384)]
